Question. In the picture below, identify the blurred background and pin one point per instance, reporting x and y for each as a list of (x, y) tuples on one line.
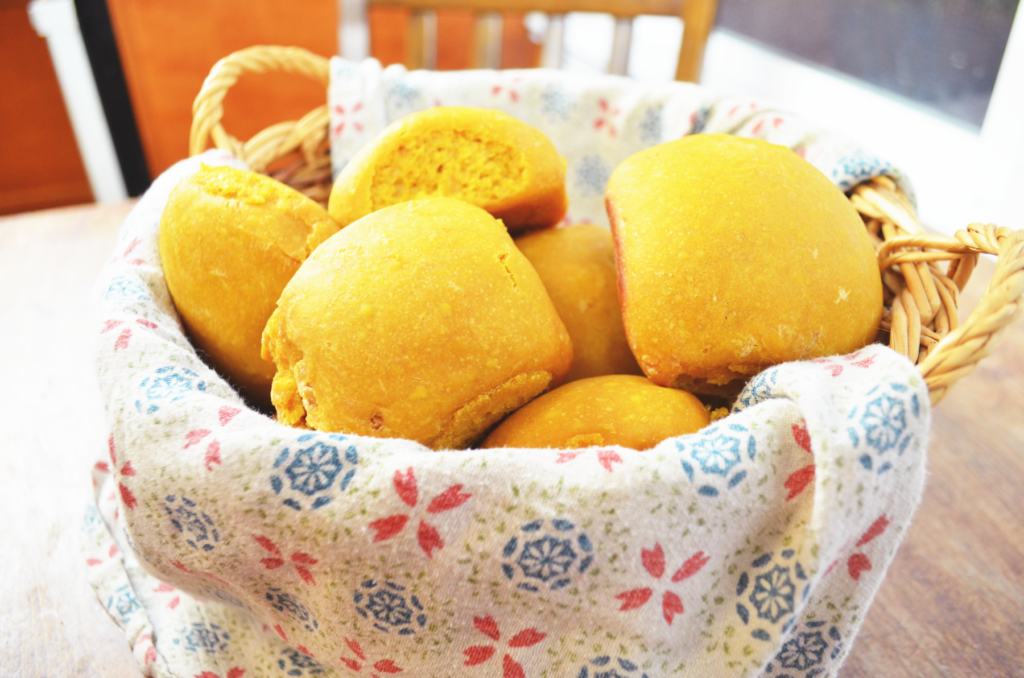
[(98, 93)]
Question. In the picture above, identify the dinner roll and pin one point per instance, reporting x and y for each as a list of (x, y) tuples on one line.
[(484, 157), (624, 410), (577, 266), (419, 321), (230, 240), (735, 254)]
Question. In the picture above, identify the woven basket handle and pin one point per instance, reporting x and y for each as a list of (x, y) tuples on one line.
[(275, 141), (957, 354)]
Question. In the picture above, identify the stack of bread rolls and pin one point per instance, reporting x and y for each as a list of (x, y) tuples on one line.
[(441, 299)]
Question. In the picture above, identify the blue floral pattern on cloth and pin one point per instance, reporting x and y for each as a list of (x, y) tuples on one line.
[(651, 124), (757, 390), (881, 426), (223, 596), (167, 385), (547, 558), (606, 667), (311, 472), (403, 99), (295, 663), (592, 174), (773, 593), (884, 421), (699, 120), (713, 458), (770, 587), (199, 529), (857, 168), (807, 652), (282, 601), (123, 603), (92, 517), (200, 637), (556, 104), (389, 607), (126, 289)]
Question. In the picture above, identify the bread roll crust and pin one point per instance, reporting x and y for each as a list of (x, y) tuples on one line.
[(736, 254), (625, 410), (577, 266), (230, 240), (420, 321)]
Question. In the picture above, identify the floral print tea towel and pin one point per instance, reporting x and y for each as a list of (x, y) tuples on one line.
[(595, 122), (229, 546)]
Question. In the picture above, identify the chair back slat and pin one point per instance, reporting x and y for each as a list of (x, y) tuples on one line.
[(698, 16), (552, 53), (422, 45), (353, 30), (614, 7), (487, 33), (618, 62)]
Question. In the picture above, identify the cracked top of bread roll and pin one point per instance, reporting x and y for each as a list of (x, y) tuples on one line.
[(484, 157)]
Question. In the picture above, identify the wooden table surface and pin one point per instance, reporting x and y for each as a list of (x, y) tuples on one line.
[(952, 604)]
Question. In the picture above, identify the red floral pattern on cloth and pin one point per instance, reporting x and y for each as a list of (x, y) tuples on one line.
[(835, 365), (345, 118), (479, 654), (798, 481), (375, 669), (607, 118), (427, 535), (606, 458), (301, 561), (654, 562)]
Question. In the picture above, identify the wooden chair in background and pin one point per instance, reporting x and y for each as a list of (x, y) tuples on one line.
[(167, 49), (698, 16)]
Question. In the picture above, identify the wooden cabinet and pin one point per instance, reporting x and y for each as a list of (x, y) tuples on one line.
[(167, 49), (39, 161)]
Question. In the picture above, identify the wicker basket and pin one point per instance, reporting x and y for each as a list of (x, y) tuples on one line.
[(921, 317)]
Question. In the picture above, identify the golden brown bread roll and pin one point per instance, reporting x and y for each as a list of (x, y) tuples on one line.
[(486, 158), (621, 410), (577, 266), (419, 321), (229, 242), (735, 254)]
